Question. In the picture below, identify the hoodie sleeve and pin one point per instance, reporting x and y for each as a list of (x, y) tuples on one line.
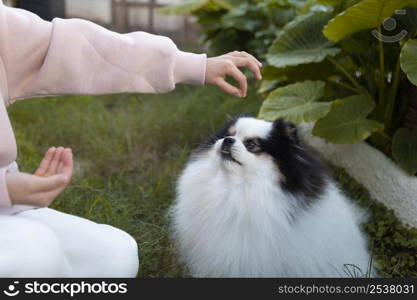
[(79, 57), (4, 195)]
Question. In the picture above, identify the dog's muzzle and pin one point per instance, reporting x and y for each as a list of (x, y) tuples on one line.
[(227, 145), (226, 150)]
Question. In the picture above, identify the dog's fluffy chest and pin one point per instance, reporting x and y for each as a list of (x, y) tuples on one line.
[(229, 225), (253, 230)]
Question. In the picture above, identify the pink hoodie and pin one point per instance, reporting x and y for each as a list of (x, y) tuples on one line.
[(39, 58)]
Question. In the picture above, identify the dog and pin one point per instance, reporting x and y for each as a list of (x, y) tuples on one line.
[(255, 201)]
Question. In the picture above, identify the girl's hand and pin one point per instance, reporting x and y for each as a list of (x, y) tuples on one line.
[(218, 68), (52, 176)]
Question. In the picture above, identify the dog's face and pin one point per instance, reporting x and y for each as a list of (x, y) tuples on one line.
[(247, 144), (242, 145), (254, 149)]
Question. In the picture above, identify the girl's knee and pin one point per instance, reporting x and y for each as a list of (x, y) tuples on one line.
[(121, 251), (30, 249)]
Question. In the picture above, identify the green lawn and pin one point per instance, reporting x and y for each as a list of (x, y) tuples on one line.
[(129, 150)]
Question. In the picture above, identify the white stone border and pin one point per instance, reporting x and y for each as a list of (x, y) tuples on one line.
[(385, 181)]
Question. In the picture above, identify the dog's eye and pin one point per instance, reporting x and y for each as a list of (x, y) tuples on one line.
[(252, 145)]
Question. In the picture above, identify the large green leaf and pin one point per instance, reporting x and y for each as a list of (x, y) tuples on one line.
[(301, 72), (302, 42), (190, 6), (346, 123), (268, 85), (296, 103), (272, 73), (404, 149), (343, 3), (367, 14), (226, 4), (409, 60), (184, 7)]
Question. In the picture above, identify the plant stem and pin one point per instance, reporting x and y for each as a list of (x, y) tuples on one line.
[(382, 72), (390, 103), (344, 85), (359, 88), (385, 135)]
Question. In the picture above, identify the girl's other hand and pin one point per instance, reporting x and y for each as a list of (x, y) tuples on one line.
[(218, 68), (50, 179)]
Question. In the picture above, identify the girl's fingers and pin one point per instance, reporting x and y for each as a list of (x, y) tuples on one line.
[(44, 165), (245, 54), (240, 78), (60, 167), (53, 166), (63, 176), (64, 159), (67, 163), (228, 88), (250, 64), (48, 188)]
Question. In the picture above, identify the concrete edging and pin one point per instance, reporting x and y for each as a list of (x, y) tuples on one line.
[(385, 181)]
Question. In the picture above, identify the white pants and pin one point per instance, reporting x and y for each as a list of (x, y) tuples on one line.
[(46, 243)]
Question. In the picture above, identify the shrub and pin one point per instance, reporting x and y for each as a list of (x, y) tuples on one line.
[(350, 66)]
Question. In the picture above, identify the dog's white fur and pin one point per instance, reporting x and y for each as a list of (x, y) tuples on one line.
[(234, 220)]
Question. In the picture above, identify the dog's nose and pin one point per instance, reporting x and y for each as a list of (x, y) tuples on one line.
[(227, 144), (229, 140)]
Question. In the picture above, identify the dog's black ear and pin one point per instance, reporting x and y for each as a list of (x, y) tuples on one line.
[(286, 129)]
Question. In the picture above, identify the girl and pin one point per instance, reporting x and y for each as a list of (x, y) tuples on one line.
[(39, 59)]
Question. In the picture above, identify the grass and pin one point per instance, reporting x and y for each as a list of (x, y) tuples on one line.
[(129, 150), (394, 246)]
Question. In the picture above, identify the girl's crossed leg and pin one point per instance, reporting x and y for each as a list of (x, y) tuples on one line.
[(46, 243)]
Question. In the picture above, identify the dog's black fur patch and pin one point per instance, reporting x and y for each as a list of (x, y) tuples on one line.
[(304, 173)]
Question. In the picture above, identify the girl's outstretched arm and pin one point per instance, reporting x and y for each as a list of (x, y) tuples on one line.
[(41, 58), (75, 56)]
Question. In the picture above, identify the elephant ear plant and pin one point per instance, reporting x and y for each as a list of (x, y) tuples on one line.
[(350, 67), (248, 25)]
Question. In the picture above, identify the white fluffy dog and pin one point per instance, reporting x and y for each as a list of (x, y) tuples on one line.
[(254, 201)]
